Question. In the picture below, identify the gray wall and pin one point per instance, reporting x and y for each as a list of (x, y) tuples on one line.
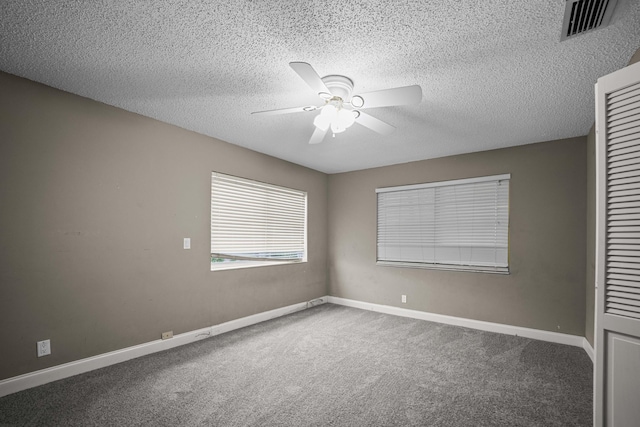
[(95, 203), (545, 289)]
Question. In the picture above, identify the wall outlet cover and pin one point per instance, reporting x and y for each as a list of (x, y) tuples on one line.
[(44, 348), (167, 335)]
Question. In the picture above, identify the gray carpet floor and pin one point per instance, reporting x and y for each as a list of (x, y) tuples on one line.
[(327, 366)]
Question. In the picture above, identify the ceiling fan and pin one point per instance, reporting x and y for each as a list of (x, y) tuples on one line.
[(341, 109)]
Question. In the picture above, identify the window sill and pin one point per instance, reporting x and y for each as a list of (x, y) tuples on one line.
[(448, 267), (249, 264)]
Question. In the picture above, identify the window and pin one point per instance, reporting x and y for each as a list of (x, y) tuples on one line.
[(255, 224), (453, 225)]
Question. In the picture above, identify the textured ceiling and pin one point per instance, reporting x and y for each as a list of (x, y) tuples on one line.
[(493, 72)]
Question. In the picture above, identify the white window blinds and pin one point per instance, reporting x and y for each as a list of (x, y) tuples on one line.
[(257, 222), (460, 224)]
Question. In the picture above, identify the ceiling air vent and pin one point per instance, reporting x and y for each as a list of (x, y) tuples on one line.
[(581, 16)]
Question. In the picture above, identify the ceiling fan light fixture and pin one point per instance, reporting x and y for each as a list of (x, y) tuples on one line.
[(329, 111), (326, 117), (337, 118), (321, 122), (344, 119), (336, 128)]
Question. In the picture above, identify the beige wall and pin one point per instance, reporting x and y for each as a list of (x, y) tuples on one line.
[(95, 203), (591, 225), (545, 289)]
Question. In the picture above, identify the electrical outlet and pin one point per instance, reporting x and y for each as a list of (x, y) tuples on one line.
[(167, 335), (44, 348), (404, 299)]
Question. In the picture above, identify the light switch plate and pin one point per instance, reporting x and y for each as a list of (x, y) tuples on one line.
[(187, 243)]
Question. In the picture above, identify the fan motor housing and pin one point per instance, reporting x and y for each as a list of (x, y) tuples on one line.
[(340, 86)]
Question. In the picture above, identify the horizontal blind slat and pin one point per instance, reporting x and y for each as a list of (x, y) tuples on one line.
[(623, 119), (624, 186), (631, 308), (624, 294), (614, 105), (620, 142), (624, 313), (620, 93), (621, 107), (626, 283), (625, 289), (624, 300)]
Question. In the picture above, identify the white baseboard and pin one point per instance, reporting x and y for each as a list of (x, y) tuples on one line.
[(44, 376), (500, 328), (587, 347)]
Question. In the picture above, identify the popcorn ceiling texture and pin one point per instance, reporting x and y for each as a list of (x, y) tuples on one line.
[(493, 72)]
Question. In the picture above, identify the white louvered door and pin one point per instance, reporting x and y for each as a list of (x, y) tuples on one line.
[(617, 370)]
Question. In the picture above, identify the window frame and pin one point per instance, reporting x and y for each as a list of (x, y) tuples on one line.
[(238, 261), (446, 266)]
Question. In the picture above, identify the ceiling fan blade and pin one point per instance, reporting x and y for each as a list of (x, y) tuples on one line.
[(310, 76), (318, 135), (374, 124), (287, 110), (388, 97)]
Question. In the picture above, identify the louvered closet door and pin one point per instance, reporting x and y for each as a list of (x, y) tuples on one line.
[(617, 373)]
